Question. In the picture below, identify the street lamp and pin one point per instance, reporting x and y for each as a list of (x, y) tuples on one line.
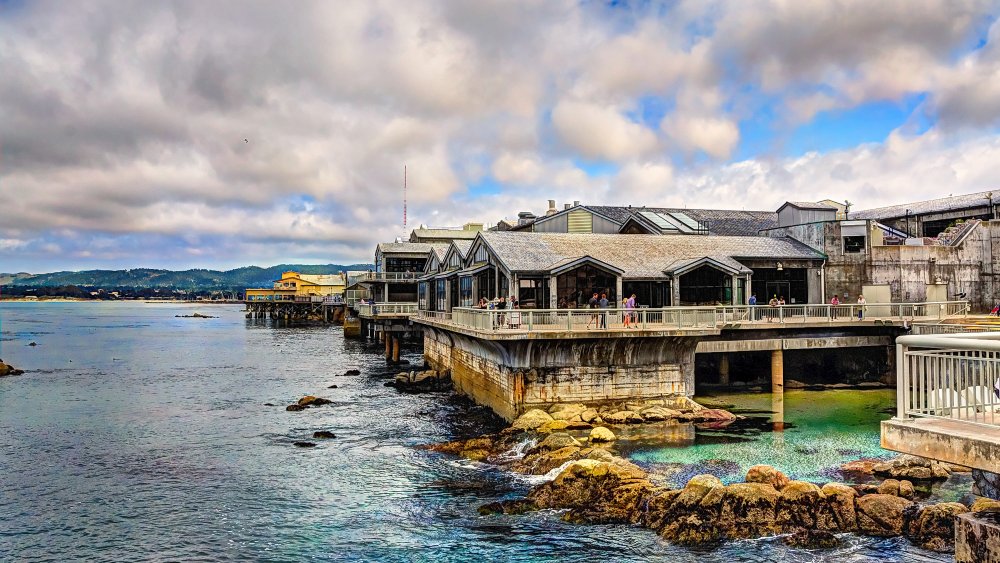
[(993, 212)]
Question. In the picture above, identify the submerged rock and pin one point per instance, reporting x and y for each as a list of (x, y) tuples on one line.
[(811, 539), (657, 414), (194, 316), (313, 401), (913, 468), (602, 434), (420, 381), (623, 417), (352, 372), (295, 408), (324, 434), (304, 444)]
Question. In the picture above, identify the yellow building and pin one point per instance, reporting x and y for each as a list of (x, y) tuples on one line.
[(294, 286)]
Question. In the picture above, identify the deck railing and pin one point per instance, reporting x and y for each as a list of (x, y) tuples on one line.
[(953, 376), (390, 276), (371, 310), (668, 318)]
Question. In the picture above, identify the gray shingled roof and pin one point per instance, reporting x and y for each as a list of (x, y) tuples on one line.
[(723, 222), (810, 205), (950, 203), (463, 247), (639, 256), (454, 234), (405, 247)]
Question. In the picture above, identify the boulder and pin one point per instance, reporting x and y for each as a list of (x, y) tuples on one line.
[(531, 420), (623, 417), (881, 515), (332, 387), (912, 468), (767, 474), (709, 415), (543, 461), (295, 408), (860, 466), (352, 372), (933, 527), (553, 426), (590, 416), (555, 441), (475, 454), (799, 505), (902, 488), (566, 411), (656, 414), (811, 539), (324, 435), (748, 510), (307, 400), (839, 512), (304, 444), (602, 434), (984, 504), (7, 369)]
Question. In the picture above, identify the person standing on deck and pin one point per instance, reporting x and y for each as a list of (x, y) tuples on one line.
[(593, 304), (753, 300), (630, 311), (834, 304), (603, 304), (861, 307)]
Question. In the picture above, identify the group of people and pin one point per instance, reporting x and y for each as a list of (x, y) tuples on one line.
[(600, 320), (777, 301), (499, 303)]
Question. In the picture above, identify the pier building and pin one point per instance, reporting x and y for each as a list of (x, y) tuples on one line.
[(298, 296)]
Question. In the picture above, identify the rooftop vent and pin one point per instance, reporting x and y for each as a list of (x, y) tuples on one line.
[(552, 207)]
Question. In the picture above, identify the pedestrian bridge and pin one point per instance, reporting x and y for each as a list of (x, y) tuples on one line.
[(500, 324), (948, 400)]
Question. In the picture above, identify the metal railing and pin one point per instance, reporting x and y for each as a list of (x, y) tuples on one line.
[(938, 328), (390, 276), (952, 376), (352, 296), (676, 318), (371, 310)]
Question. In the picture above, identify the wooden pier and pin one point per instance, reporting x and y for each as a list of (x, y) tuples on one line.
[(299, 309)]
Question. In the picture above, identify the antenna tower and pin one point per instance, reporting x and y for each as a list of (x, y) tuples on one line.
[(404, 197)]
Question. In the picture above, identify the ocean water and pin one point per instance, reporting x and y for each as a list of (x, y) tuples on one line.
[(139, 436)]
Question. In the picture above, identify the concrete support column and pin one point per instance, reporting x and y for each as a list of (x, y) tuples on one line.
[(724, 369), (388, 345), (618, 292), (675, 291), (777, 371), (395, 350), (385, 297), (553, 292)]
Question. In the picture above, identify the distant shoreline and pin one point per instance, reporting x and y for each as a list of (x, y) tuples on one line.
[(20, 299)]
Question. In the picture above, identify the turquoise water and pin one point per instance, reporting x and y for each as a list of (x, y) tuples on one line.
[(138, 436)]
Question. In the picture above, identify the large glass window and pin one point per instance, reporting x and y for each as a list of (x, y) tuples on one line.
[(706, 285), (575, 288), (441, 301), (422, 296), (465, 291), (533, 293), (487, 285), (789, 283), (405, 264)]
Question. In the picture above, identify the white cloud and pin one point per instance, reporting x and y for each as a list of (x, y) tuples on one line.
[(715, 136), (601, 132)]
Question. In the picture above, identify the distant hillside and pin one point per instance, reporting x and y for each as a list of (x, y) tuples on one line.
[(240, 278)]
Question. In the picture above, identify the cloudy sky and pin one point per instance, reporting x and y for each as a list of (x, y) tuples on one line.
[(216, 134)]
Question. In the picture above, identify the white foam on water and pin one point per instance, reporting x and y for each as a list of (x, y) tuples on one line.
[(518, 451), (539, 479)]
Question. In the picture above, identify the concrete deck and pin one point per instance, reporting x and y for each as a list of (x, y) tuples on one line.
[(955, 441)]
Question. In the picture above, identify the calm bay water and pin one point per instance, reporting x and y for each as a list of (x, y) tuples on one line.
[(141, 436)]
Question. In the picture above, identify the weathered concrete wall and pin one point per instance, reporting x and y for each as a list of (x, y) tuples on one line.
[(977, 538), (969, 268), (515, 375)]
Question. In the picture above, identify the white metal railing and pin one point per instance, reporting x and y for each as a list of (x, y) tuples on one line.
[(667, 318), (953, 376), (938, 328), (390, 276), (437, 315), (370, 310)]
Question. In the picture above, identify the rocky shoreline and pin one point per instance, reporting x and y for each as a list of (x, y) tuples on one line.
[(8, 370), (593, 485)]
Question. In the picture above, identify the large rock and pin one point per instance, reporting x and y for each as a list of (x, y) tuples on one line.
[(748, 510), (602, 434), (543, 461), (567, 412), (912, 468), (686, 520), (799, 505), (531, 420), (590, 416), (553, 426), (983, 504), (840, 513), (556, 441), (767, 474), (7, 369), (933, 527), (623, 417), (810, 539), (312, 401), (881, 515), (902, 488), (656, 414)]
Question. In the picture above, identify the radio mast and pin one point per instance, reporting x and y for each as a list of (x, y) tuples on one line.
[(404, 197)]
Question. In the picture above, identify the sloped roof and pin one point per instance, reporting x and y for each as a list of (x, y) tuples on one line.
[(722, 262), (638, 256), (405, 247), (951, 203), (451, 234), (462, 246), (809, 205), (722, 222), (440, 248)]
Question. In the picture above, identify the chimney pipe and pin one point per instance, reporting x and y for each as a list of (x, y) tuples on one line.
[(552, 207), (565, 206), (576, 203)]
